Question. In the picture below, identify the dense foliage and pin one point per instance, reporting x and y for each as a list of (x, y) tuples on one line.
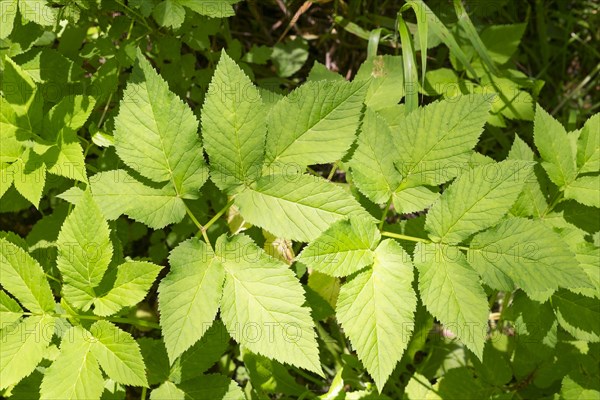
[(339, 200)]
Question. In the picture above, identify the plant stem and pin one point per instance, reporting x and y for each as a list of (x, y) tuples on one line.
[(218, 215), (385, 213), (192, 217), (143, 396), (130, 321), (404, 237), (332, 172)]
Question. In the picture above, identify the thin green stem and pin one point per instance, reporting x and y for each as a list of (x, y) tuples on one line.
[(130, 321), (193, 217), (385, 213), (332, 172), (218, 215), (404, 237), (143, 396), (557, 199)]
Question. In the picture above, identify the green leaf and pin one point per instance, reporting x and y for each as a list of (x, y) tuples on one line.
[(262, 305), (10, 310), (501, 51), (212, 9), (24, 278), (432, 141), (20, 91), (9, 12), (233, 127), (23, 346), (169, 13), (189, 295), (555, 148), (212, 387), (134, 279), (588, 146), (167, 390), (414, 199), (346, 247), (117, 193), (75, 374), (376, 309), (527, 254), (579, 315), (37, 11), (478, 199), (315, 124), (372, 164), (270, 376), (29, 174), (84, 252), (387, 81), (296, 207), (578, 386), (202, 355), (450, 290), (585, 190), (156, 133), (118, 354)]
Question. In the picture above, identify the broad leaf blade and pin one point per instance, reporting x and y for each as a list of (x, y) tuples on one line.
[(262, 296), (118, 354), (527, 253), (588, 146), (156, 133), (479, 198), (23, 347), (189, 295), (75, 374), (346, 247), (436, 137), (554, 146), (372, 164), (85, 251), (297, 207), (233, 127), (314, 124), (376, 310), (24, 278), (585, 190), (450, 290), (118, 193), (10, 310), (134, 279)]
